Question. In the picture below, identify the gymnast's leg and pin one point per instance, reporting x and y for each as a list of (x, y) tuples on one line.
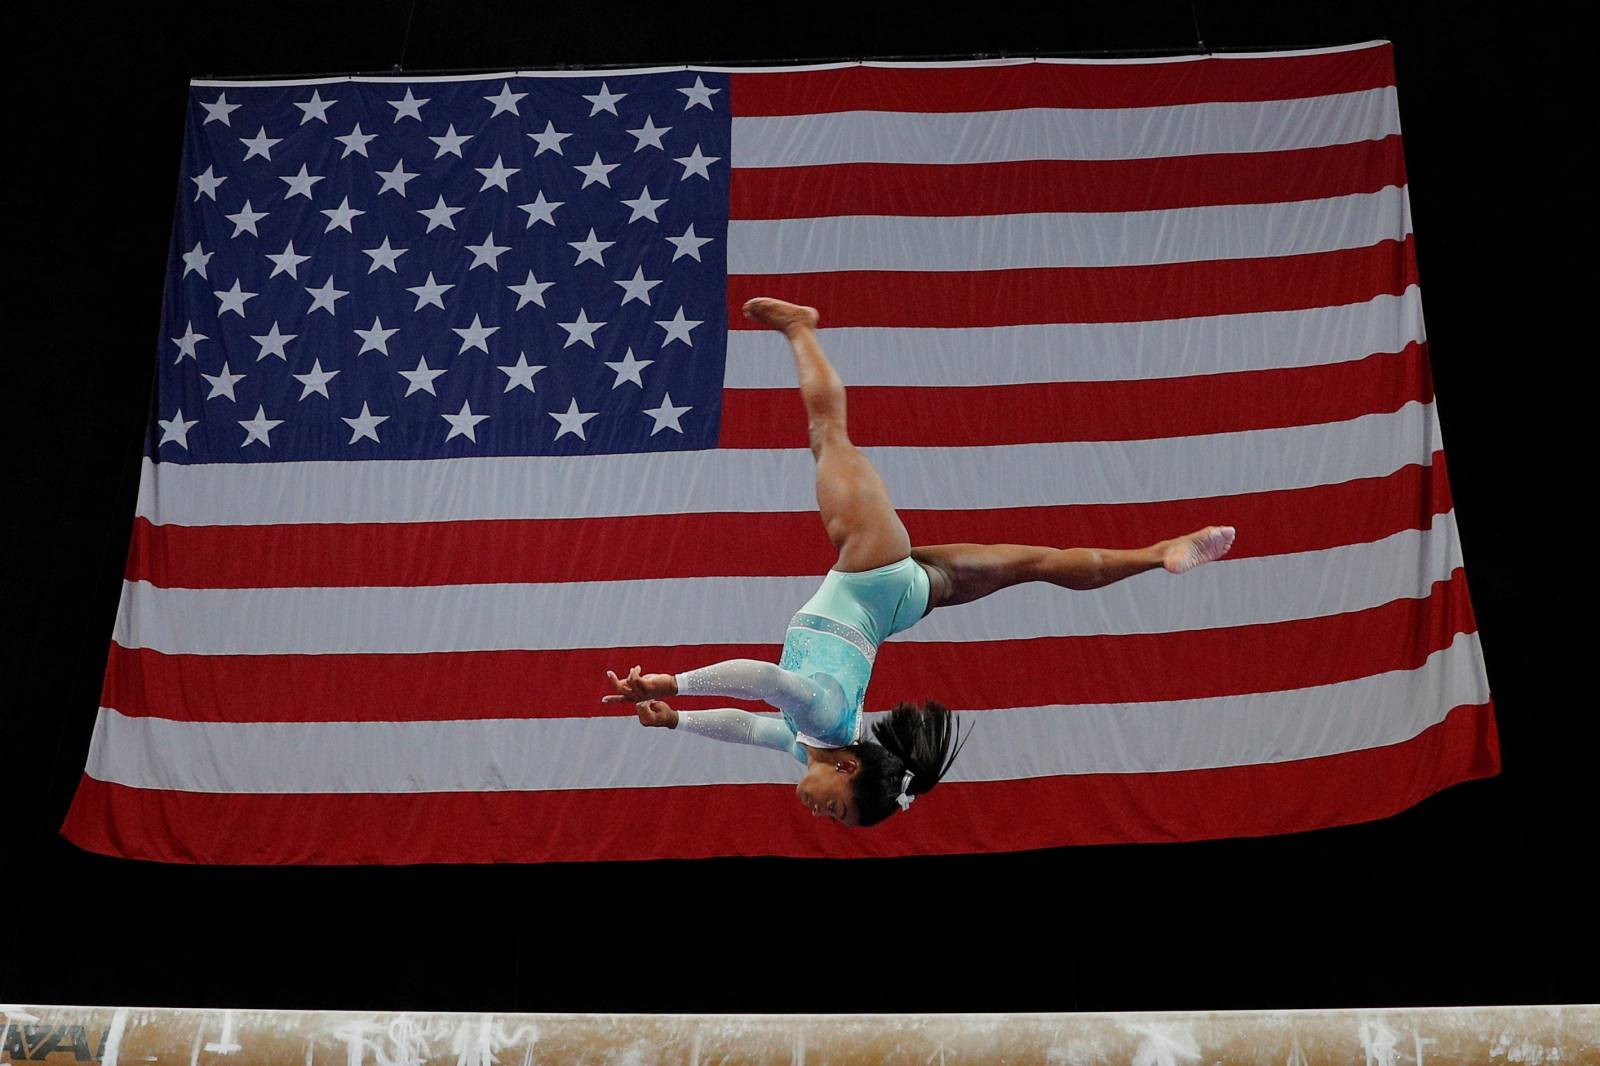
[(961, 573), (852, 498)]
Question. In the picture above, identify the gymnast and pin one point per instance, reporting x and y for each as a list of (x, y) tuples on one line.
[(880, 586)]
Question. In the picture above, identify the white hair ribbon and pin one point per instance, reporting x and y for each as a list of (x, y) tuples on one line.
[(905, 799)]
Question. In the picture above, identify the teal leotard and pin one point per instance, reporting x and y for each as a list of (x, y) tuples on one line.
[(834, 638), (821, 680)]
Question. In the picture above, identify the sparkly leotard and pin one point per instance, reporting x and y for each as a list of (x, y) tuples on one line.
[(820, 682)]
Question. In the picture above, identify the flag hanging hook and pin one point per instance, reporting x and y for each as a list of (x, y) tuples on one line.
[(406, 40), (1194, 15)]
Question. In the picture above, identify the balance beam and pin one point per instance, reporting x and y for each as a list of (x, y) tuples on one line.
[(120, 1036)]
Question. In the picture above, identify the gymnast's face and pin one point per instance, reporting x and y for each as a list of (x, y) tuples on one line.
[(825, 790)]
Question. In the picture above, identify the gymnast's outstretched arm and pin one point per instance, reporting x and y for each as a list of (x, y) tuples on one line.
[(745, 679), (726, 724)]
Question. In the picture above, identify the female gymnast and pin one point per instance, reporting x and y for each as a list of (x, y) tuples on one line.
[(880, 586)]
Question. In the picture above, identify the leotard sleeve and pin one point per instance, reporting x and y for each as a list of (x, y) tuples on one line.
[(752, 679), (741, 727)]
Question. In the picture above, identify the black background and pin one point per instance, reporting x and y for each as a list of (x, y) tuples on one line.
[(1478, 895)]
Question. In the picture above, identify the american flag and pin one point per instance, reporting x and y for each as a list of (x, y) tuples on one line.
[(454, 411)]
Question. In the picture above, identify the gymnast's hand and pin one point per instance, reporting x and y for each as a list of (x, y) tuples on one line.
[(656, 713), (637, 687)]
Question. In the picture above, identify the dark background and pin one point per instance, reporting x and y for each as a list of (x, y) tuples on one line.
[(1480, 894)]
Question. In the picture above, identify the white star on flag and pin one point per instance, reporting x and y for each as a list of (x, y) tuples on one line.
[(572, 421), (175, 430), (395, 179), (246, 219), (520, 374), (649, 134), (439, 215), (463, 423), (580, 330), (259, 428), (530, 291), (496, 175), (678, 329), (300, 184), (186, 343), (604, 100), (688, 244), (340, 217), (591, 249), (451, 142), (376, 339), (698, 94), (409, 107), (222, 384), (487, 254), (506, 102), (315, 108), (666, 415), (549, 141), (286, 262), (365, 424), (317, 380), (356, 141), (594, 171), (638, 288), (431, 293), (272, 343), (206, 184), (196, 260), (474, 336), (326, 296), (259, 145), (541, 210), (233, 299), (384, 256), (218, 111), (644, 206), (421, 378), (629, 369), (696, 163)]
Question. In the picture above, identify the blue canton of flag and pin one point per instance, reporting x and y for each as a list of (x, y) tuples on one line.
[(524, 266)]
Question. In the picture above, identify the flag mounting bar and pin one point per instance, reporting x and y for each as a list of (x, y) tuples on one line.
[(397, 71)]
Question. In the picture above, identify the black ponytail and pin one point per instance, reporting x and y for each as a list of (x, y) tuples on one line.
[(922, 740)]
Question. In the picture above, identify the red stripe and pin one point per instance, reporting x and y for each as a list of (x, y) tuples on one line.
[(1136, 668), (704, 545), (974, 416), (967, 89), (1058, 185), (678, 823), (970, 299)]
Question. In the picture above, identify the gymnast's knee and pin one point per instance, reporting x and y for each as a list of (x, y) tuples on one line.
[(827, 431)]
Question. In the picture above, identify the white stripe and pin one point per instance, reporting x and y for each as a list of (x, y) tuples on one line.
[(496, 755), (1063, 133), (1110, 351), (1060, 239), (740, 610), (1019, 475)]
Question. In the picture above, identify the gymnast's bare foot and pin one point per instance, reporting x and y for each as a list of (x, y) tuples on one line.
[(780, 315), (1203, 546)]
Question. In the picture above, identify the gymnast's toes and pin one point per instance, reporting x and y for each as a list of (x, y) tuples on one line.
[(1204, 546), (780, 314)]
